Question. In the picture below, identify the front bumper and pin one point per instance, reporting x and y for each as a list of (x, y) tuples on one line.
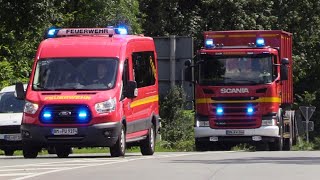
[(10, 137), (88, 136), (267, 133)]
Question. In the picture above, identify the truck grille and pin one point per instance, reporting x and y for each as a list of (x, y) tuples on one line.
[(235, 115), (65, 114)]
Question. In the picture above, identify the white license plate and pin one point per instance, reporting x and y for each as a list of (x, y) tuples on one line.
[(64, 131), (12, 137), (234, 132)]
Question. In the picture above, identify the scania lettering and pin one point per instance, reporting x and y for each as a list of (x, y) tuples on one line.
[(91, 87), (234, 90), (243, 89)]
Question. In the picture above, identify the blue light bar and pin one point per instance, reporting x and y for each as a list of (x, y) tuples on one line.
[(249, 110), (260, 42), (52, 32), (219, 111), (209, 43), (122, 31)]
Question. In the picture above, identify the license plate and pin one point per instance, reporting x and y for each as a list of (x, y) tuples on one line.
[(12, 137), (64, 131), (235, 132)]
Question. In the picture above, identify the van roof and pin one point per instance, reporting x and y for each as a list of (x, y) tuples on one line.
[(11, 88), (87, 46)]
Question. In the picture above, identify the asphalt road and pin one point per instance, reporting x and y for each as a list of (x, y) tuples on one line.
[(163, 166)]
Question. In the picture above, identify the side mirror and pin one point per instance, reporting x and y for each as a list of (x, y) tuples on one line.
[(20, 94), (187, 63), (283, 72), (188, 74), (285, 61), (131, 89)]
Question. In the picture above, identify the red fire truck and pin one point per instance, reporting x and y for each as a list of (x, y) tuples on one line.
[(243, 89), (91, 87)]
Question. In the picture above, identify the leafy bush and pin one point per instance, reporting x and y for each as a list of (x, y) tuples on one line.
[(243, 147), (177, 123)]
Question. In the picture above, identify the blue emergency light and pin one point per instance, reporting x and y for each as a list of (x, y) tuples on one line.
[(209, 43), (219, 111), (46, 115), (121, 31), (260, 42), (249, 110), (83, 114), (52, 32)]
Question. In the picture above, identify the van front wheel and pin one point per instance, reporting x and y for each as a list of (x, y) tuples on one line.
[(119, 148), (147, 146)]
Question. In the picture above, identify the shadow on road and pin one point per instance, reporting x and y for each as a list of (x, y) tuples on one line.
[(258, 160)]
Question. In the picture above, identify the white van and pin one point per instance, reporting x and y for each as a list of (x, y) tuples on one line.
[(11, 110)]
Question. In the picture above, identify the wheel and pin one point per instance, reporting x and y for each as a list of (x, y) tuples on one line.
[(200, 146), (8, 152), (118, 149), (63, 151), (147, 146), (51, 150), (30, 151), (277, 145)]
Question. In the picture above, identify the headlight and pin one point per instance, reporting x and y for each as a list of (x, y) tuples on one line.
[(202, 123), (106, 106), (269, 122), (30, 108)]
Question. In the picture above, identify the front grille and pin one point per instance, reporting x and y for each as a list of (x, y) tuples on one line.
[(10, 129), (235, 114), (64, 114)]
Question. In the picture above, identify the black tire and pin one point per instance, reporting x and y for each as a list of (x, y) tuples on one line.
[(51, 150), (147, 146), (119, 148), (30, 152), (277, 145), (200, 146), (8, 152), (63, 151)]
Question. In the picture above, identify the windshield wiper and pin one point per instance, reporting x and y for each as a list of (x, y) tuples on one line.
[(40, 87), (238, 81)]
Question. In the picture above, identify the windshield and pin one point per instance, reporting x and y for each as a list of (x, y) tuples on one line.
[(234, 70), (75, 74), (10, 104)]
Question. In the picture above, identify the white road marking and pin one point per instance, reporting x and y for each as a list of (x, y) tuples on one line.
[(59, 166)]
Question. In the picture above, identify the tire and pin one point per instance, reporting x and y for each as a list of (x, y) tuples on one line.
[(119, 148), (277, 145), (8, 152), (63, 151), (200, 146), (147, 146), (30, 152), (51, 150)]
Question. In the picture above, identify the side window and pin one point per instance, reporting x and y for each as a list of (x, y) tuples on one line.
[(125, 77), (144, 68), (275, 68)]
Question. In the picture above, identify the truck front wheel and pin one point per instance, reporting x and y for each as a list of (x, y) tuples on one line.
[(200, 146)]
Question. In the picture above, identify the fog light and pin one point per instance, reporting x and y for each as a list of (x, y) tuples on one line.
[(107, 133), (25, 134), (256, 138)]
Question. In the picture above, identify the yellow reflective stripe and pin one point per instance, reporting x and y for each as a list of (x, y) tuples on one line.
[(269, 35), (242, 35), (153, 67), (144, 101), (261, 100), (217, 36)]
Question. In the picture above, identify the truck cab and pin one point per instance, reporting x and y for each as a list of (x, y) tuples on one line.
[(91, 87), (243, 88)]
